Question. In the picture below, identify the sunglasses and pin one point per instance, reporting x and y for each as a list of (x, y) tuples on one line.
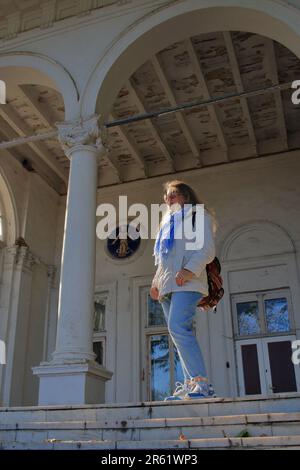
[(172, 194)]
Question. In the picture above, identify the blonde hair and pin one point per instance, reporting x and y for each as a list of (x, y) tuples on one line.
[(190, 197)]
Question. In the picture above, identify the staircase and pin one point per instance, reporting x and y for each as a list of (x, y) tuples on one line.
[(215, 423)]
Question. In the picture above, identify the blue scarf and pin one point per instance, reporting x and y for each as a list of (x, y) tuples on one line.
[(165, 239)]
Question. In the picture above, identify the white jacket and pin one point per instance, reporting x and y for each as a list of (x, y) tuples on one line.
[(193, 260)]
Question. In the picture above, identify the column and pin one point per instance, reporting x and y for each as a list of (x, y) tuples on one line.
[(21, 261), (73, 377)]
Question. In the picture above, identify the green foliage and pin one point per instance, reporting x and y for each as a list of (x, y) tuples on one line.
[(244, 433)]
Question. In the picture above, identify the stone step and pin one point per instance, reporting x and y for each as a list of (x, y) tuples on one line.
[(268, 442), (219, 421), (145, 410), (255, 425)]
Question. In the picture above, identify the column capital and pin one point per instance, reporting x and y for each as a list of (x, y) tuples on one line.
[(52, 273), (20, 256), (25, 260), (80, 134)]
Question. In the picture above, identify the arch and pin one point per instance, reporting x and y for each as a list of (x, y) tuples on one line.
[(41, 70), (11, 219), (256, 239), (175, 22)]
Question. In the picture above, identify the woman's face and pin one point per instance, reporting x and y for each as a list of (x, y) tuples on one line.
[(174, 198)]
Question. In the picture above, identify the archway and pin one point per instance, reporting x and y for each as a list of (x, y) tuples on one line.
[(168, 24), (39, 93), (10, 221), (30, 68), (9, 230)]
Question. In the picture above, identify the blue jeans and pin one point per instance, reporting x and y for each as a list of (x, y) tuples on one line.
[(179, 309)]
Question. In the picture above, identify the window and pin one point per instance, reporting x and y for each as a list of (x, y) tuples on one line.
[(155, 315), (99, 336), (99, 315), (165, 366), (277, 316), (248, 318), (262, 314)]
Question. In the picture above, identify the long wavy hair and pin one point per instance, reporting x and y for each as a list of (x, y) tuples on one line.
[(190, 197)]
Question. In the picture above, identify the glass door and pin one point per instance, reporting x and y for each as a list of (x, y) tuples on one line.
[(161, 367), (281, 373), (264, 330), (164, 368), (265, 366)]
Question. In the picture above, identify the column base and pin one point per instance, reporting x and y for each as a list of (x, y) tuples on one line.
[(77, 383)]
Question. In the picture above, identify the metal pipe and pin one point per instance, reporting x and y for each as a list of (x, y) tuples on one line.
[(27, 139), (195, 104), (155, 114)]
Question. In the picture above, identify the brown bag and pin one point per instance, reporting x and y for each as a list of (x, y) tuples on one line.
[(215, 289)]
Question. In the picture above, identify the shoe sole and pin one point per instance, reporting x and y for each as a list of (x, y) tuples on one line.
[(198, 397), (173, 399)]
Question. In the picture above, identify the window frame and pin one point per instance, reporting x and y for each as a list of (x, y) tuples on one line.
[(260, 297), (101, 335), (103, 341)]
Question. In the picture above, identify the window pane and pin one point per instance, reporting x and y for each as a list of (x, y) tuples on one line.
[(160, 367), (247, 313), (277, 316), (98, 350), (99, 315), (178, 369), (155, 313)]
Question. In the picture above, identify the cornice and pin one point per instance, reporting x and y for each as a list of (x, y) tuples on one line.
[(48, 12), (53, 28), (54, 15)]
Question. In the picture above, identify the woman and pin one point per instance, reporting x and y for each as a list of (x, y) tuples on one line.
[(180, 282)]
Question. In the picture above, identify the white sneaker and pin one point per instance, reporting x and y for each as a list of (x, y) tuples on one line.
[(180, 392), (201, 390)]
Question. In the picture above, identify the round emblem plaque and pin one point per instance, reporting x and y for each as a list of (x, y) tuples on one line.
[(124, 246)]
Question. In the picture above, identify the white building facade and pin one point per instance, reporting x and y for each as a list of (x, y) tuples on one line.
[(77, 321)]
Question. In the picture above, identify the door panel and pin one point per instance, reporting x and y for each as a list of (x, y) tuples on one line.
[(282, 369), (265, 366), (251, 369)]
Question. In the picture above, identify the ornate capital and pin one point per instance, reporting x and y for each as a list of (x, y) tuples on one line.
[(51, 274), (74, 135), (25, 259)]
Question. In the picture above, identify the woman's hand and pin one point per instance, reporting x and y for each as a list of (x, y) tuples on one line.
[(182, 276), (154, 293)]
